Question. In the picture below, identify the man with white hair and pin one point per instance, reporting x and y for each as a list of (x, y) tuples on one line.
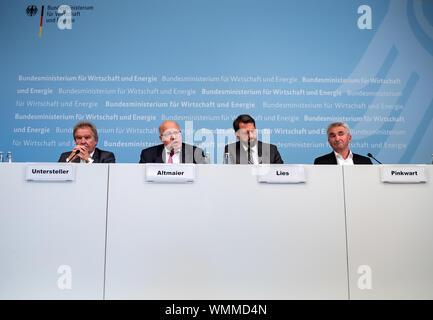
[(339, 138)]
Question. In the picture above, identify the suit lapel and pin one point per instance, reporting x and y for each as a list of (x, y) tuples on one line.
[(182, 153), (259, 149), (332, 158), (356, 159), (187, 153), (159, 151), (238, 152), (96, 156)]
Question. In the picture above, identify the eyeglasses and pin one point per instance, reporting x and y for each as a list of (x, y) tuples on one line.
[(171, 133)]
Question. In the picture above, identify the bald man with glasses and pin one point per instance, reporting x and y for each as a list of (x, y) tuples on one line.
[(172, 149)]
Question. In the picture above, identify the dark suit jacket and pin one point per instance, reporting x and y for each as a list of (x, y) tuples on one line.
[(189, 154), (268, 153), (100, 156), (331, 159)]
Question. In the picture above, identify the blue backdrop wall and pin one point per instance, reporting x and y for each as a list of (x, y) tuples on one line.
[(295, 66)]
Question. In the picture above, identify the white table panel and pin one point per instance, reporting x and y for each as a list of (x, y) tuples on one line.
[(390, 229), (225, 236), (44, 225)]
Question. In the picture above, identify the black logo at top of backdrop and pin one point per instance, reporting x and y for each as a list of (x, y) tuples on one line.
[(31, 10)]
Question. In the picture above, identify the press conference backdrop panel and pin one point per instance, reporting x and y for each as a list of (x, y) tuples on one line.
[(294, 66)]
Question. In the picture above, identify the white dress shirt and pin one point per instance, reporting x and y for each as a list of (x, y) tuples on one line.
[(175, 158), (342, 161), (90, 160), (254, 152)]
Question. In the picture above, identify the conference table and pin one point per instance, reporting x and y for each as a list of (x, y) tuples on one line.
[(110, 233)]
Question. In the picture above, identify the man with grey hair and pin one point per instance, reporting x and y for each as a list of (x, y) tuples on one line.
[(85, 151), (339, 138)]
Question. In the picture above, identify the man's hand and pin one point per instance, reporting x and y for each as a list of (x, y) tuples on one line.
[(83, 154)]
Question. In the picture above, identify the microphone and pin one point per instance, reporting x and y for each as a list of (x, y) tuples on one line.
[(371, 156), (73, 156)]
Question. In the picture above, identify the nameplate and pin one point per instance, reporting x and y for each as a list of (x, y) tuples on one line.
[(50, 172), (170, 173), (391, 174), (281, 174)]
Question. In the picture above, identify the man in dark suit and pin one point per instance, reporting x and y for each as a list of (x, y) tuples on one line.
[(339, 138), (172, 149), (85, 151), (248, 150)]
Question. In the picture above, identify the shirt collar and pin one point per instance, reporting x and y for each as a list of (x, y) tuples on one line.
[(167, 151), (340, 158), (252, 148)]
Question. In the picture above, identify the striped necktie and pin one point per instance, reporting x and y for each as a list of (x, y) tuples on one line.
[(250, 158), (170, 158)]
